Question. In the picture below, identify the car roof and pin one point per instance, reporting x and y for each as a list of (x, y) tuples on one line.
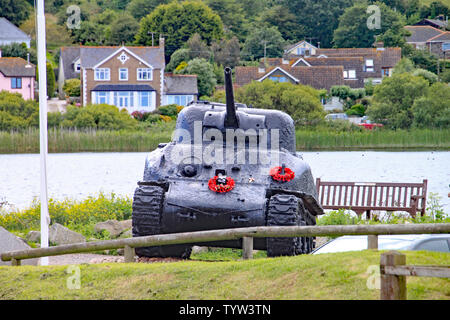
[(410, 237)]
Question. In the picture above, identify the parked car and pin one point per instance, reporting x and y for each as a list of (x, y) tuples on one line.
[(369, 125), (336, 116), (430, 242)]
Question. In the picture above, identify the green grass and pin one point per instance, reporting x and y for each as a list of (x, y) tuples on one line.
[(327, 276), (63, 140)]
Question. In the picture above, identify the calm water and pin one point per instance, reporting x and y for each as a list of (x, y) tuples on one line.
[(78, 175)]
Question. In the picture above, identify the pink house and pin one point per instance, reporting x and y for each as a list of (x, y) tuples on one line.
[(17, 75)]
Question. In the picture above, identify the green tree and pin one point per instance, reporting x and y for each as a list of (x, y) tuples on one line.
[(232, 15), (179, 56), (404, 65), (285, 21), (353, 31), (434, 9), (198, 48), (123, 30), (51, 82), (19, 50), (302, 103), (318, 17), (393, 100), (179, 21), (206, 79), (427, 75), (433, 110), (227, 52), (140, 8), (268, 40), (89, 33), (16, 11)]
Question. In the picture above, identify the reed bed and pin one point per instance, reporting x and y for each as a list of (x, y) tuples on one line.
[(91, 140), (376, 139)]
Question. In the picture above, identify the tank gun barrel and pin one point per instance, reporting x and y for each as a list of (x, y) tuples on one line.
[(231, 120)]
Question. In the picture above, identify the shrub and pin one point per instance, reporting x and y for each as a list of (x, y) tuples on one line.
[(356, 110), (70, 212), (153, 118), (72, 87), (98, 116), (427, 75), (170, 110)]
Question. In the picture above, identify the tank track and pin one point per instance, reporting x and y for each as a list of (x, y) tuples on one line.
[(146, 220), (288, 210), (282, 211), (306, 219)]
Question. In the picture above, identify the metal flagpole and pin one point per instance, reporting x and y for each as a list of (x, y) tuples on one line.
[(42, 65)]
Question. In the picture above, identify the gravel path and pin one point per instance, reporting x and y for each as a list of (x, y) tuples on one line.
[(81, 258)]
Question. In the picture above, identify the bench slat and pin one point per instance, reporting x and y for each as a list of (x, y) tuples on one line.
[(361, 197)]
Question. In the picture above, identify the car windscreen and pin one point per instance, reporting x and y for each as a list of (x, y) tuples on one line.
[(357, 243)]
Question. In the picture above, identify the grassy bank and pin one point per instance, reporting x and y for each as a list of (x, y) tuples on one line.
[(61, 141), (326, 276)]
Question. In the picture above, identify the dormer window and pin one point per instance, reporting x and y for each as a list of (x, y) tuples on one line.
[(369, 65), (77, 67), (145, 74)]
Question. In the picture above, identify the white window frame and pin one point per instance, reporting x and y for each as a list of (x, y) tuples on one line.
[(352, 74), (106, 71), (141, 71), (149, 98), (120, 74), (105, 95), (369, 65), (345, 74)]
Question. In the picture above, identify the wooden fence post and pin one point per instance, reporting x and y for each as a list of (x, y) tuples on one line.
[(128, 254), (15, 262), (393, 287), (247, 248), (372, 241)]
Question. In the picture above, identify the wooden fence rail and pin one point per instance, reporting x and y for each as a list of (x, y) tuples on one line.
[(224, 234), (393, 272)]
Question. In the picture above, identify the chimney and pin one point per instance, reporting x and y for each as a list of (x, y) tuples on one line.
[(28, 61), (262, 67), (162, 43)]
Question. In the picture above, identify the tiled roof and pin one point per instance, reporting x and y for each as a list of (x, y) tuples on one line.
[(291, 46), (180, 84), (320, 77), (91, 56), (68, 56), (16, 67), (123, 87), (9, 31), (422, 33), (443, 37), (433, 22)]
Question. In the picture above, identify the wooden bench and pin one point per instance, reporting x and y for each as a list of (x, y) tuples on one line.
[(364, 197)]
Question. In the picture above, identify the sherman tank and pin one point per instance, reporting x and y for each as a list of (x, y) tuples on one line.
[(227, 166)]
